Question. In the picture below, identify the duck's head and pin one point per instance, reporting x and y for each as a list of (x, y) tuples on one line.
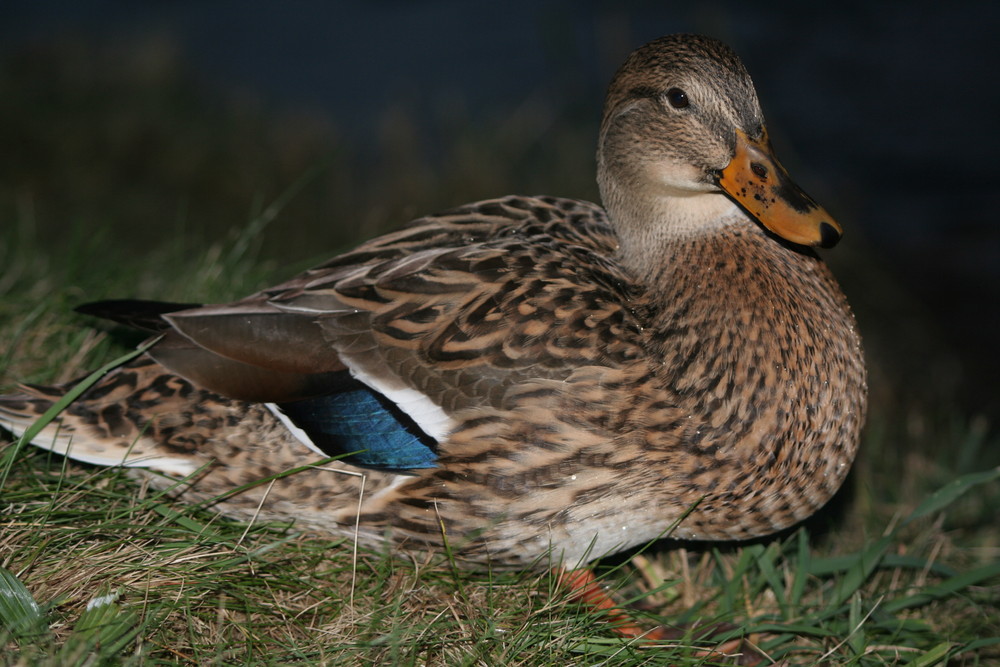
[(682, 137)]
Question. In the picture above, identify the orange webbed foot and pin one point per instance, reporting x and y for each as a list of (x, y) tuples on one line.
[(583, 587)]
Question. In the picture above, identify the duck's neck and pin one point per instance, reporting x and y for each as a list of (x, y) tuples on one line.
[(649, 225)]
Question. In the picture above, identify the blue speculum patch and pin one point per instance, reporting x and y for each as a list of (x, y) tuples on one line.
[(363, 421)]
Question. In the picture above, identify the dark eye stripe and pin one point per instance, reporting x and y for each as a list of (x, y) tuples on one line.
[(643, 91)]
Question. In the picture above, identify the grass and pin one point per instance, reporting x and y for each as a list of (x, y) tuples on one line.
[(187, 587), (902, 568)]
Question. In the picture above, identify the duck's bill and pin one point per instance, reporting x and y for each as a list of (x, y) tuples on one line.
[(757, 182)]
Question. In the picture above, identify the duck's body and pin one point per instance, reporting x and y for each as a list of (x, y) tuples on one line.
[(542, 376)]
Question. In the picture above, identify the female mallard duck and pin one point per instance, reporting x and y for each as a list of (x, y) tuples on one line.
[(525, 376)]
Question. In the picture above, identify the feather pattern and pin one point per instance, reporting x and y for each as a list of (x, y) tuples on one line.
[(363, 428), (526, 376)]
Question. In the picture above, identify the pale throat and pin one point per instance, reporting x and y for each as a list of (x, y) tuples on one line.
[(650, 226)]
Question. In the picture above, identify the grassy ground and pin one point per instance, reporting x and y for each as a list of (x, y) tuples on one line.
[(902, 568)]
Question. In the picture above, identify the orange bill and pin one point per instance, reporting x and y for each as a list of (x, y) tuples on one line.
[(756, 181)]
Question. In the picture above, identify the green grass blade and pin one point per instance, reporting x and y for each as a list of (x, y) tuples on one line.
[(824, 567), (767, 564), (946, 588), (951, 492), (856, 618), (181, 518), (804, 562), (862, 567), (935, 656), (19, 613), (804, 629), (976, 645), (104, 628)]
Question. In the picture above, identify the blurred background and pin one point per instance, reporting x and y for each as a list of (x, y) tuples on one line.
[(136, 123)]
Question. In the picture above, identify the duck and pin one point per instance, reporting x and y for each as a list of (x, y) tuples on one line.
[(523, 380)]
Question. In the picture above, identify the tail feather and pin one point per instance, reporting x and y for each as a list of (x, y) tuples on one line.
[(144, 417), (101, 428), (136, 313)]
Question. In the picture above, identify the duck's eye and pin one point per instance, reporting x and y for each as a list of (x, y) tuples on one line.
[(677, 98)]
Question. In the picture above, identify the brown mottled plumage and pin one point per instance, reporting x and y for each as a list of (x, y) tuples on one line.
[(588, 376)]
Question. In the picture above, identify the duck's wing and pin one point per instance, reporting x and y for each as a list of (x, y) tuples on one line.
[(442, 315)]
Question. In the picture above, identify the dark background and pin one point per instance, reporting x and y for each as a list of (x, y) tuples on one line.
[(886, 114)]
